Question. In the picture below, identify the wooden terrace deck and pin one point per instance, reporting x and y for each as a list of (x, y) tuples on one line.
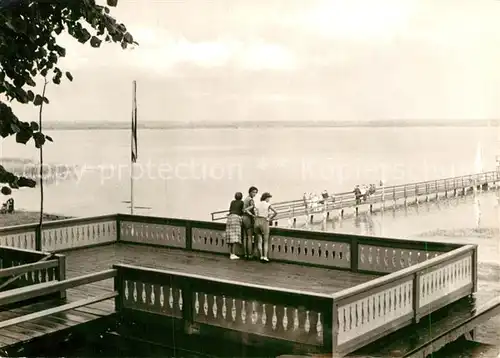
[(310, 297), (94, 259), (302, 278)]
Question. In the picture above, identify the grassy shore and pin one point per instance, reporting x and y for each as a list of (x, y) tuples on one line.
[(27, 217)]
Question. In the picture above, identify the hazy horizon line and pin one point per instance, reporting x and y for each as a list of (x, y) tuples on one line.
[(82, 125)]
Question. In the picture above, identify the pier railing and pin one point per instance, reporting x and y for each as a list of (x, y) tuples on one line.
[(391, 194)]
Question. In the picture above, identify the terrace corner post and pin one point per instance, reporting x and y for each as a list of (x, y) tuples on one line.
[(190, 327), (118, 286), (335, 330), (474, 269), (38, 238), (61, 274), (416, 297), (118, 227), (189, 235), (354, 253)]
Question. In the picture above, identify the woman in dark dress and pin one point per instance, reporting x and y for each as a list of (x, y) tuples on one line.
[(233, 225)]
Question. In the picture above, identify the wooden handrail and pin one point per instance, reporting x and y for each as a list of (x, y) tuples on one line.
[(43, 259), (218, 280), (42, 289), (19, 250), (59, 223), (22, 269), (393, 277), (59, 309)]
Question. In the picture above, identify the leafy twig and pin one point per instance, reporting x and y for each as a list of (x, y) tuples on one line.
[(40, 112)]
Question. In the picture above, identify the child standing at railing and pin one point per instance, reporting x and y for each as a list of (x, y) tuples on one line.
[(233, 225)]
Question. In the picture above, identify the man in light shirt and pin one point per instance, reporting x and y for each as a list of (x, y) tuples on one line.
[(248, 223)]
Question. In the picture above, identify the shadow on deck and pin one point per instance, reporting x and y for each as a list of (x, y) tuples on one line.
[(90, 260), (289, 276)]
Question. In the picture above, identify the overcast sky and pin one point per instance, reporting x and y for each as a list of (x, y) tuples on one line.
[(203, 60)]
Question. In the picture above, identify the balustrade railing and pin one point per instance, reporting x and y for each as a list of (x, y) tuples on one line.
[(339, 323), (330, 250), (63, 235), (20, 268), (418, 278), (367, 312), (213, 306)]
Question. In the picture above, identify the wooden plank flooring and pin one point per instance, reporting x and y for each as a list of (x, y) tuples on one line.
[(29, 330), (310, 279), (80, 262)]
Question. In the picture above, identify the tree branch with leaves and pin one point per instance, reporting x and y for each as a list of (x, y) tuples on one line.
[(30, 51)]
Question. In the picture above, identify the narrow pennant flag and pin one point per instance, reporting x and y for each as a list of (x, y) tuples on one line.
[(134, 124)]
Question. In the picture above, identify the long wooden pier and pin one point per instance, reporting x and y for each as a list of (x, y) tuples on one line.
[(323, 293), (345, 203)]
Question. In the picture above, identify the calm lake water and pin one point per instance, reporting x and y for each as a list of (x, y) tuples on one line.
[(190, 173)]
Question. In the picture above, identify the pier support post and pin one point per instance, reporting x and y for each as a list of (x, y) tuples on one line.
[(357, 211), (371, 208), (341, 213), (311, 219)]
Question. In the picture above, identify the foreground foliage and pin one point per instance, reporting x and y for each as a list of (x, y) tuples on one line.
[(30, 51)]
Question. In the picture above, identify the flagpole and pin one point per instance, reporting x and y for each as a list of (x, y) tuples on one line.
[(133, 144), (131, 187)]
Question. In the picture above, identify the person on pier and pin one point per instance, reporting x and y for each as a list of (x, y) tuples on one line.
[(248, 223), (233, 225), (262, 211), (357, 194)]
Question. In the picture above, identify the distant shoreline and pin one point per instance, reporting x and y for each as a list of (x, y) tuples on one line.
[(268, 124), (22, 217)]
